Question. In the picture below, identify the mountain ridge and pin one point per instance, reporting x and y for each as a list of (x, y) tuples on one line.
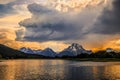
[(73, 50), (70, 52), (9, 53)]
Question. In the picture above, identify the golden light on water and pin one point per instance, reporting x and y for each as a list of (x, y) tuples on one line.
[(62, 69)]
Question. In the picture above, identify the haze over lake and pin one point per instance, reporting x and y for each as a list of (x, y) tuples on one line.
[(58, 70)]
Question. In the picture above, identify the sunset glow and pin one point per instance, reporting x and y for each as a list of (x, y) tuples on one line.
[(56, 23)]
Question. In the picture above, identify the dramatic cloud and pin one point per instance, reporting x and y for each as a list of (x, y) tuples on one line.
[(109, 21), (48, 23)]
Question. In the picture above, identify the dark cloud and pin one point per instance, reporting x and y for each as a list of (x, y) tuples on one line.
[(52, 31), (6, 9), (49, 24), (109, 21), (54, 27)]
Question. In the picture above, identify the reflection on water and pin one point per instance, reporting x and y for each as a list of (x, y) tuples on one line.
[(58, 70)]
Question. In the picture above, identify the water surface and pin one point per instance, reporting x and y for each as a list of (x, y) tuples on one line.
[(58, 70)]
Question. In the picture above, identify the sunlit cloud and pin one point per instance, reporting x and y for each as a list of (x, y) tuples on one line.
[(44, 23), (50, 23)]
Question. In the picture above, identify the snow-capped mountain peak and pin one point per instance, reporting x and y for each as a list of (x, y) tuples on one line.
[(73, 50), (26, 50), (75, 47), (48, 52)]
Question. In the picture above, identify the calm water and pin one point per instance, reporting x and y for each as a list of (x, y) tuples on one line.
[(58, 70)]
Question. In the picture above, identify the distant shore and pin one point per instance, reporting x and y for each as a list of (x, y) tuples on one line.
[(73, 59), (95, 59)]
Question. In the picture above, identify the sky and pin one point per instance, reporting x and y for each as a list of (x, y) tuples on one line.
[(39, 24)]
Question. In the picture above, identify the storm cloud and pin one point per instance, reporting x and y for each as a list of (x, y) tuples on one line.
[(48, 24), (109, 22)]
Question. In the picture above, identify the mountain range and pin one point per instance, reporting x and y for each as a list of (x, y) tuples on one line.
[(9, 53), (72, 50)]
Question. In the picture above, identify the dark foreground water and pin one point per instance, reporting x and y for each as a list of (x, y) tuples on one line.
[(58, 70)]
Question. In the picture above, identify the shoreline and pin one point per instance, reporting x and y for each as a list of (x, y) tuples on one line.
[(73, 59), (96, 59)]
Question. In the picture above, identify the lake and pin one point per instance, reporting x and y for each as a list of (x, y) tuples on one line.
[(58, 70)]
